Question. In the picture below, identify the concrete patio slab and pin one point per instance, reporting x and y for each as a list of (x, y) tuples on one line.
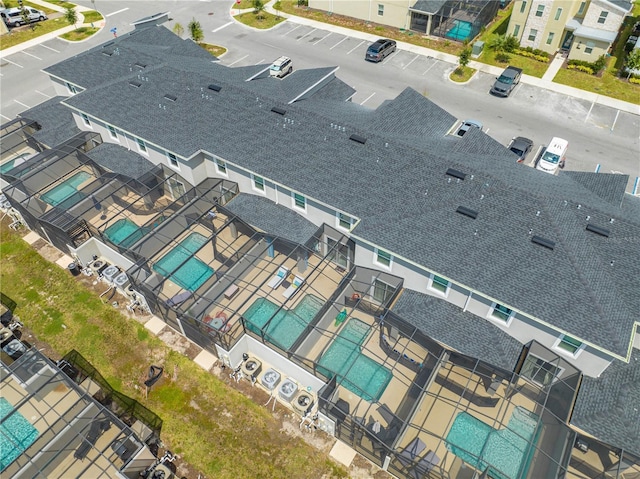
[(31, 237), (342, 453), (64, 261), (205, 360), (155, 325)]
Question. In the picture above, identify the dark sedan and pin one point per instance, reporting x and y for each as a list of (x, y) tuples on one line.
[(521, 146)]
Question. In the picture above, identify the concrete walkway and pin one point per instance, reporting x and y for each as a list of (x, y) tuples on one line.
[(554, 67)]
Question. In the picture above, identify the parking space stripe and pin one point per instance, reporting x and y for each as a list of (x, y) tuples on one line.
[(43, 94), (414, 59), (13, 63), (306, 34), (5, 116), (48, 48), (326, 36), (589, 112), (355, 47), (116, 12), (37, 58), (430, 66), (291, 30), (393, 54), (238, 60), (338, 43), (221, 27), (368, 98), (20, 103), (615, 120), (258, 63)]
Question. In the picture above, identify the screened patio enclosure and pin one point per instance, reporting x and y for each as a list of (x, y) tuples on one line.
[(458, 20)]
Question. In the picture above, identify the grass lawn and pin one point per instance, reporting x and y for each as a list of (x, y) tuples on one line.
[(263, 21), (609, 84), (462, 74), (215, 50), (22, 34), (92, 16), (528, 65), (214, 427), (80, 33), (62, 3), (243, 4)]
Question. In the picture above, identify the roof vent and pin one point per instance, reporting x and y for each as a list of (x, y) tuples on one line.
[(107, 52), (598, 230), (358, 139), (140, 65), (278, 110), (467, 212), (543, 242), (214, 87), (456, 174), (135, 84), (171, 97), (107, 44)]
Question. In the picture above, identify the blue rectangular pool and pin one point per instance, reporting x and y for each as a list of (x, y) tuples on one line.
[(67, 190), (125, 232), (16, 434), (284, 326), (358, 373), (461, 30), (182, 267)]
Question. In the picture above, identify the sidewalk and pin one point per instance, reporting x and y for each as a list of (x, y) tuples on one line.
[(544, 82)]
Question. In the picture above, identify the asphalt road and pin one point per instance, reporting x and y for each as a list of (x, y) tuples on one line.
[(597, 135)]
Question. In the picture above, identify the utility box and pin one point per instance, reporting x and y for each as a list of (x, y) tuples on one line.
[(476, 50)]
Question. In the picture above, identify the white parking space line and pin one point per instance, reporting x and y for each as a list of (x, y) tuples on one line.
[(37, 58), (13, 63), (291, 30), (487, 131), (258, 63), (116, 12), (615, 120), (430, 66), (43, 94), (414, 59), (48, 48), (5, 116), (238, 60), (306, 34), (345, 38), (20, 103), (368, 98), (355, 47), (221, 27), (589, 112), (393, 54), (326, 36)]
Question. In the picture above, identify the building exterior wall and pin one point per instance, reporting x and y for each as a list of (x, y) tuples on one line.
[(536, 25), (587, 50), (395, 13), (613, 21), (518, 19)]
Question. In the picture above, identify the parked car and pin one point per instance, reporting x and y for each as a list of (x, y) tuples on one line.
[(506, 82), (467, 125), (380, 49), (553, 156), (13, 16), (521, 146), (281, 67)]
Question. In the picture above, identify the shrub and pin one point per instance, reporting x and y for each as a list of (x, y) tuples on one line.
[(599, 64), (581, 68), (634, 80), (531, 54), (502, 57)]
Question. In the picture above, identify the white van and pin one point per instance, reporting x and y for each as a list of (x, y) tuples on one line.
[(13, 16), (553, 156), (281, 67)]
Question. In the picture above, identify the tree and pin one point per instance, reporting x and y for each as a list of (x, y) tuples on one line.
[(503, 43), (71, 16), (178, 29), (258, 8), (633, 61), (195, 30), (465, 57)]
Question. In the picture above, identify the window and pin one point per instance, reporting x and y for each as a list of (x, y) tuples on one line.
[(558, 13), (142, 146), (72, 89), (570, 345), (603, 16), (221, 166), (258, 183), (382, 291), (176, 188), (380, 10), (439, 284), (588, 49), (383, 258), (337, 253), (345, 221), (540, 11), (299, 202), (523, 7), (550, 38), (502, 313), (581, 9), (532, 34), (540, 371), (85, 119), (112, 132), (516, 30), (173, 160)]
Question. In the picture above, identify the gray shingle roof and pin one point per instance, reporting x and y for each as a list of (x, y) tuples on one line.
[(460, 330), (119, 160), (396, 184), (609, 406), (428, 6), (56, 121), (277, 220)]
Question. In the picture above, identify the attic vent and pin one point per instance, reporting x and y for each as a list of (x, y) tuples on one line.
[(139, 65), (135, 84), (598, 230), (108, 52), (456, 174), (467, 212), (214, 87), (107, 44), (358, 139), (278, 110), (543, 242), (171, 97)]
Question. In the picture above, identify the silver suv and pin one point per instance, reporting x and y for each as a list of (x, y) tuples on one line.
[(281, 67), (13, 16)]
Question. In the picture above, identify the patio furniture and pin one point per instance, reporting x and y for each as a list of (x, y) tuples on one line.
[(412, 451), (179, 298), (342, 315), (231, 291), (295, 285), (279, 277), (425, 465)]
